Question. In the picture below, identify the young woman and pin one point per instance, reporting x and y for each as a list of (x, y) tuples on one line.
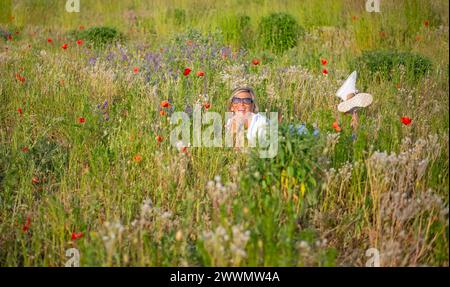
[(245, 115)]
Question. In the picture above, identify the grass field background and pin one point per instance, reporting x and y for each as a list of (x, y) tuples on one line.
[(81, 166)]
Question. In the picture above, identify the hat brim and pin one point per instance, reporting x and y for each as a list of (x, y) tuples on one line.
[(360, 100)]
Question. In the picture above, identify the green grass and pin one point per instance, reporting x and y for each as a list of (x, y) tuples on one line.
[(323, 201)]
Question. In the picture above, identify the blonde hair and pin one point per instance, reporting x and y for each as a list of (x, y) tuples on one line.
[(247, 90)]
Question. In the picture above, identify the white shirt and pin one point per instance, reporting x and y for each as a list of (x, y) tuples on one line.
[(256, 129)]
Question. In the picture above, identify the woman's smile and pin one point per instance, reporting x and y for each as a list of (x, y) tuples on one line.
[(242, 110)]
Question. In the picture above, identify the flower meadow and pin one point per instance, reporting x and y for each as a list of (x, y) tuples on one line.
[(86, 162)]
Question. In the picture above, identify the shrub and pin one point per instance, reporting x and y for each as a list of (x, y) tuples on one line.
[(237, 30), (391, 64), (178, 15), (279, 32), (245, 32), (50, 159), (295, 170), (99, 36)]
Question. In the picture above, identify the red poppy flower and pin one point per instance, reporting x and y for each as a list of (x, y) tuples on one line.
[(81, 120), (27, 225), (406, 121), (187, 71), (354, 18), (35, 180), (336, 126), (19, 110), (77, 235), (135, 70), (24, 149), (426, 23), (9, 37), (162, 113), (207, 105), (325, 72), (49, 40), (200, 73), (255, 62), (418, 38), (64, 46), (81, 27), (165, 104), (159, 139), (79, 42), (382, 34), (184, 149), (137, 158), (20, 78), (324, 61)]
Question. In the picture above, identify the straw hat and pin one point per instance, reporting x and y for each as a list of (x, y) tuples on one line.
[(351, 97)]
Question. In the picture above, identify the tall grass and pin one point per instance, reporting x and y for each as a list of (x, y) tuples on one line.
[(323, 201)]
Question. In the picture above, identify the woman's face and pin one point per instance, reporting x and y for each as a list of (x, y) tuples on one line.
[(240, 105)]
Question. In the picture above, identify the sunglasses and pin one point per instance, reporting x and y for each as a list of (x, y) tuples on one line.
[(247, 101)]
